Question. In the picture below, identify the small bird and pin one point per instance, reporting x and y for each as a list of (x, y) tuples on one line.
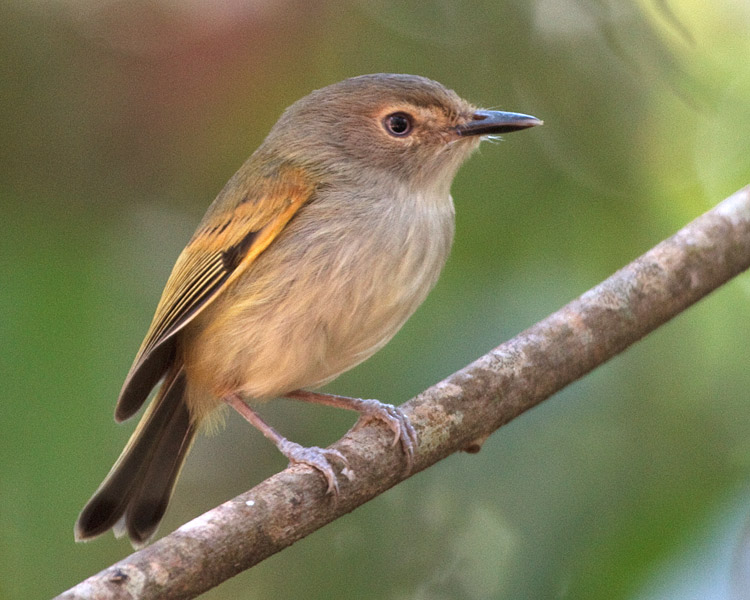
[(309, 260)]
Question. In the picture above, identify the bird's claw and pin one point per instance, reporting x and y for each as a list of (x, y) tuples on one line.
[(397, 421), (318, 459)]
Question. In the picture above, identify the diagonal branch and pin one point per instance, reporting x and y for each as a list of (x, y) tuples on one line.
[(455, 414)]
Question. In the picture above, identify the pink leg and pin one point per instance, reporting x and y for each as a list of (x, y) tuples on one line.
[(369, 410), (315, 457)]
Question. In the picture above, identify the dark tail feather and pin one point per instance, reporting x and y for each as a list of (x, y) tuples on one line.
[(137, 489)]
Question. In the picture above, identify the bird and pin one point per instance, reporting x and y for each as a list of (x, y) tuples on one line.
[(309, 260)]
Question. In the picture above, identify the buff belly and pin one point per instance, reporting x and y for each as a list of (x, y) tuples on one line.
[(276, 330)]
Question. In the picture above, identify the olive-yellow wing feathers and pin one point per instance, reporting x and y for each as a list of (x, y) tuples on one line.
[(223, 246)]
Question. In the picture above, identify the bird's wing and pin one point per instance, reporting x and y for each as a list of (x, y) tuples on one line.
[(233, 233)]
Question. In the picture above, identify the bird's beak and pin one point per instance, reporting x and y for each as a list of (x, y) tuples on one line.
[(485, 122)]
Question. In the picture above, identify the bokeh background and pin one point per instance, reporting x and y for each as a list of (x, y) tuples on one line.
[(120, 121)]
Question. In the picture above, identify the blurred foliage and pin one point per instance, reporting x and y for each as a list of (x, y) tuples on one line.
[(121, 121)]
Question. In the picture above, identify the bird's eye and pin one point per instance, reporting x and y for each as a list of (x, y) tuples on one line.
[(398, 124)]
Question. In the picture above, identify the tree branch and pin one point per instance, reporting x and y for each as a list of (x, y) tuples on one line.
[(455, 414)]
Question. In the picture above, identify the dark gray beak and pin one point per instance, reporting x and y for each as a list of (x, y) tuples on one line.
[(485, 122)]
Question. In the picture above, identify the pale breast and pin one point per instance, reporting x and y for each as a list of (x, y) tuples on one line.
[(335, 286)]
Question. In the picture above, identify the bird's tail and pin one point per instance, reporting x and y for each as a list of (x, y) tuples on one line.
[(134, 496)]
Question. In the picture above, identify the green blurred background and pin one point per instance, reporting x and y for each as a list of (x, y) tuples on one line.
[(120, 121)]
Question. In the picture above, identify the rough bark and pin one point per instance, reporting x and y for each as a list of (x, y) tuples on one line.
[(456, 414)]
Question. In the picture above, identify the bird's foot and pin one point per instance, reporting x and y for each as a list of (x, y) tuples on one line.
[(397, 421), (317, 458), (370, 410)]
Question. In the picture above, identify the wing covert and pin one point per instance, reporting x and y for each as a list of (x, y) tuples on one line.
[(221, 249)]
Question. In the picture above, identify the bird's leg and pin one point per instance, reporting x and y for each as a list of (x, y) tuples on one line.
[(369, 410), (317, 458)]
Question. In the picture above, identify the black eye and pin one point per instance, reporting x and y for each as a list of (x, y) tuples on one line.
[(398, 124)]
